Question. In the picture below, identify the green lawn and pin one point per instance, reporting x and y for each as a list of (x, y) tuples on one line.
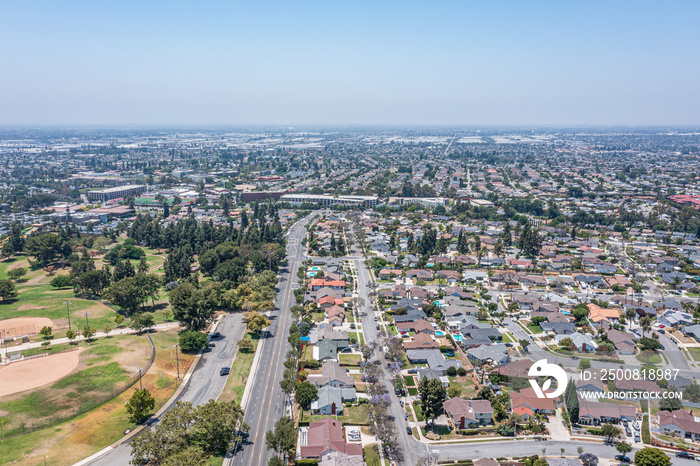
[(535, 328), (419, 411), (694, 353), (350, 359), (240, 370), (410, 381), (371, 455), (352, 415), (412, 391), (649, 357)]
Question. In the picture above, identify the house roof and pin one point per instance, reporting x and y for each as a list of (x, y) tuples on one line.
[(598, 313), (680, 418), (327, 435)]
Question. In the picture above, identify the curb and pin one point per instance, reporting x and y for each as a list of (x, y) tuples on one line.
[(165, 407)]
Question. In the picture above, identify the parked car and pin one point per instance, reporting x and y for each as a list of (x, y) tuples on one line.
[(636, 425), (685, 454), (378, 327), (623, 458), (663, 332), (225, 371), (215, 335), (413, 371), (661, 347), (636, 438), (628, 431), (409, 431)]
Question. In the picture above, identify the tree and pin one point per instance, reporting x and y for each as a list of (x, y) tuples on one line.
[(648, 344), (107, 329), (692, 392), (454, 391), (645, 323), (191, 306), (623, 447), (584, 364), (127, 294), (283, 438), (142, 321), (140, 405), (306, 392), (670, 404), (46, 344), (256, 322), (88, 333), (45, 331), (432, 395), (192, 341), (8, 293), (610, 431), (71, 335), (48, 247), (245, 345), (92, 282), (62, 281), (143, 265), (649, 456), (17, 273), (119, 320)]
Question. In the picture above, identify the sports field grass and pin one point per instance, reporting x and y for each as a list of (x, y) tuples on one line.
[(74, 440), (104, 365)]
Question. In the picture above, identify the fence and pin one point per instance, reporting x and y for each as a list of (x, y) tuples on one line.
[(31, 329), (65, 415)]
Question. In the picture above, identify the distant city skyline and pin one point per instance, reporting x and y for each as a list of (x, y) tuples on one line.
[(452, 63)]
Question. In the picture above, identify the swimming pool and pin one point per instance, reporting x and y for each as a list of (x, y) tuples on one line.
[(458, 337), (439, 333)]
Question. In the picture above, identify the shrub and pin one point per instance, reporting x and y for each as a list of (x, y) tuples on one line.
[(451, 371), (461, 372)]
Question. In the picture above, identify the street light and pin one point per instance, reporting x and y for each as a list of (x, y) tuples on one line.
[(68, 303), (87, 321), (177, 360)]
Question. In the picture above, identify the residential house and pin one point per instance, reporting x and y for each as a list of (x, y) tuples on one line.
[(594, 413), (527, 398), (484, 354), (324, 437), (624, 342), (419, 326), (332, 374), (330, 400), (583, 342), (421, 341), (679, 423), (325, 350), (467, 413)]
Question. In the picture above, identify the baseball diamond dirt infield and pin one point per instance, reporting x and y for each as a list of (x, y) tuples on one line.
[(36, 372), (24, 326)]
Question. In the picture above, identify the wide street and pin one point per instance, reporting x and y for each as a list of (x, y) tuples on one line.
[(266, 403), (204, 384)]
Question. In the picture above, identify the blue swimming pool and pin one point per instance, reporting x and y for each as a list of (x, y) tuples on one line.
[(458, 337), (439, 333)]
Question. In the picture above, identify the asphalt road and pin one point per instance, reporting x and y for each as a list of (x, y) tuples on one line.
[(267, 401), (407, 445), (205, 382)]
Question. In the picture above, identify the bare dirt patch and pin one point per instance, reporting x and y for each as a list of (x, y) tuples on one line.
[(20, 326), (33, 373)]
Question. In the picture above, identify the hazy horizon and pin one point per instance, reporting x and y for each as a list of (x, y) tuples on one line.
[(350, 64)]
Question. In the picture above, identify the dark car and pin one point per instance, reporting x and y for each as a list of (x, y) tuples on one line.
[(207, 349), (225, 371), (628, 431), (623, 458), (215, 335), (212, 345), (661, 347), (409, 431), (662, 331), (413, 371), (685, 454)]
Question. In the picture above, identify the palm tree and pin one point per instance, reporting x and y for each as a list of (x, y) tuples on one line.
[(645, 323)]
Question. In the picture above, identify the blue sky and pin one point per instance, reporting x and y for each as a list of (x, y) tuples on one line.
[(350, 62)]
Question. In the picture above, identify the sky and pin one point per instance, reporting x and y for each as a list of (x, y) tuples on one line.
[(350, 62)]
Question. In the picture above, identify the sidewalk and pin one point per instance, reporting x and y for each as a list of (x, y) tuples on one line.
[(58, 341)]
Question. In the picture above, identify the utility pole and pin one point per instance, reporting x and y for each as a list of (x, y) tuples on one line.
[(177, 361), (68, 303), (87, 321), (140, 384)]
